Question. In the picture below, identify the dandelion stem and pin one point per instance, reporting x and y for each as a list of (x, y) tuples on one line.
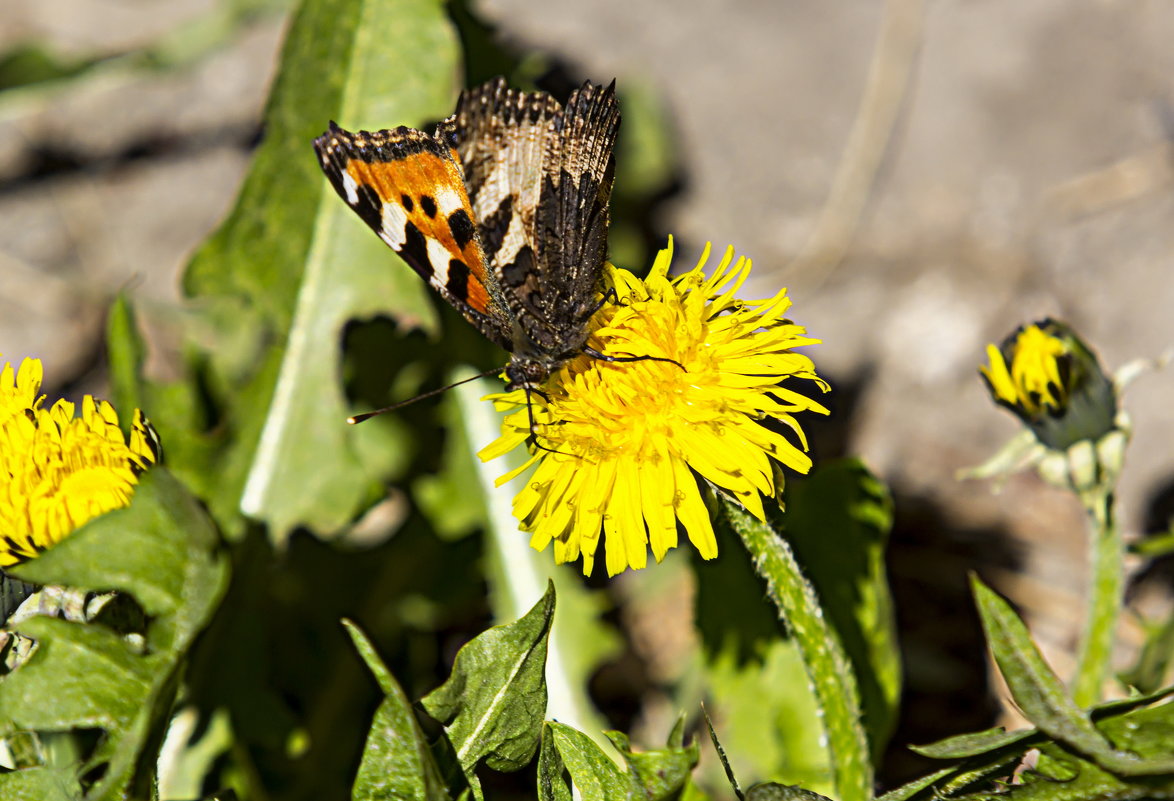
[(1106, 559), (828, 668)]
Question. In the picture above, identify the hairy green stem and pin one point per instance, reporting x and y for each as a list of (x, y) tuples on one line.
[(1106, 559), (828, 668)]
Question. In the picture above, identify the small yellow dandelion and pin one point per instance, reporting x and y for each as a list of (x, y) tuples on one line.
[(59, 470), (20, 393), (1053, 382), (625, 445)]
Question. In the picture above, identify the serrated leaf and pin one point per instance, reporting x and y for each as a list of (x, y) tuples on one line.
[(397, 763), (1040, 694), (773, 791), (162, 550), (593, 774), (910, 789), (660, 774), (963, 746), (967, 745), (1061, 775), (291, 265), (551, 784), (1058, 773), (721, 755), (493, 704), (827, 666)]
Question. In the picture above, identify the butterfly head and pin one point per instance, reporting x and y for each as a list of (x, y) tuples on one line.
[(527, 372)]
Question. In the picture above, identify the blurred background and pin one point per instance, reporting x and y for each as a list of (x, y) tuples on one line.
[(924, 177)]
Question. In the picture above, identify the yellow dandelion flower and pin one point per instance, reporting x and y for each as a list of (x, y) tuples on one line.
[(1034, 380), (20, 392), (60, 471), (1052, 381), (628, 442)]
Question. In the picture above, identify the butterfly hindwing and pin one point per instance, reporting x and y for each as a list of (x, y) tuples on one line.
[(539, 178), (573, 217), (409, 188), (502, 136)]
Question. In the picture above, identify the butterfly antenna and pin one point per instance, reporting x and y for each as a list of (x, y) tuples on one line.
[(358, 418)]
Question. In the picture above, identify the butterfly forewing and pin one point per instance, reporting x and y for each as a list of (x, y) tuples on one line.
[(408, 187), (503, 210)]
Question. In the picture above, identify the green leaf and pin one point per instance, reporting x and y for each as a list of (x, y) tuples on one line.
[(593, 774), (974, 744), (838, 521), (551, 784), (1155, 663), (126, 353), (1040, 694), (162, 550), (721, 755), (40, 784), (828, 669), (397, 763), (990, 756), (493, 704), (909, 790), (661, 773), (773, 791), (963, 746), (1060, 775), (291, 265)]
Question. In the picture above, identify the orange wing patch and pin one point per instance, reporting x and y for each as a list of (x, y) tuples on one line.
[(425, 213), (409, 187)]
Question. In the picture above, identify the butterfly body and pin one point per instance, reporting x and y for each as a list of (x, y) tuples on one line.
[(503, 211)]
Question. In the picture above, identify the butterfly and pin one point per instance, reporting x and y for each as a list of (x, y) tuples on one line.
[(503, 210)]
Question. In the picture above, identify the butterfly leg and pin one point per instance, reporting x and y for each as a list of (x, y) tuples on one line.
[(603, 357), (609, 296), (533, 438)]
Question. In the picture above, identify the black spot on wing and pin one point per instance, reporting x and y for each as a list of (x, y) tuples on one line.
[(515, 274), (407, 201), (415, 251), (458, 280), (493, 228), (368, 206), (461, 227), (428, 205)]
